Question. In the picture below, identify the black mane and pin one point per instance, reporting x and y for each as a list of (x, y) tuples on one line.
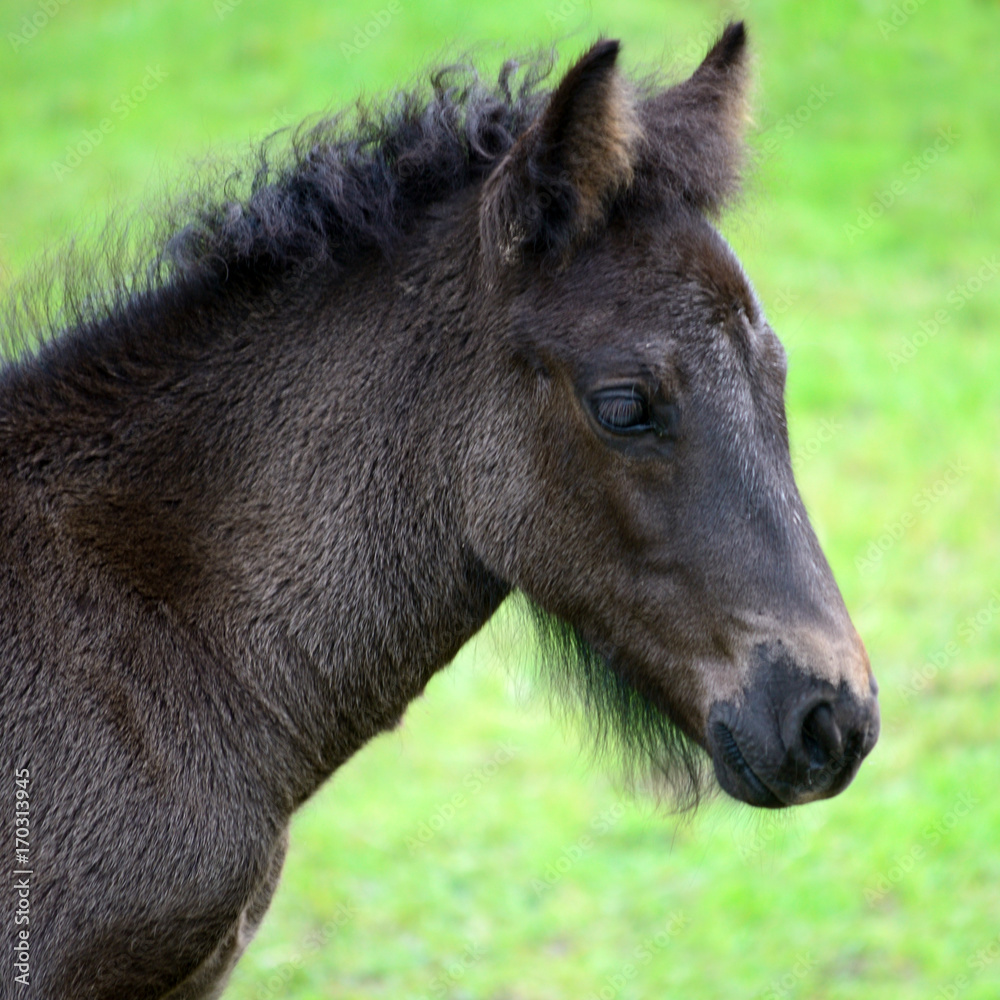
[(323, 194), (355, 183), (332, 191)]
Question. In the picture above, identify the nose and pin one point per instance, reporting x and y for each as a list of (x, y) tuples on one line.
[(794, 736), (826, 737)]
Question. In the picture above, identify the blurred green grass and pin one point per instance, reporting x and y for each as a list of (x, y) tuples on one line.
[(474, 852)]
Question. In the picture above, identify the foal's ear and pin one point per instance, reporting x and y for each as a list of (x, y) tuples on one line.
[(695, 130), (554, 185)]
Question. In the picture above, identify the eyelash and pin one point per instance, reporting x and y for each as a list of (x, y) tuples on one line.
[(623, 411)]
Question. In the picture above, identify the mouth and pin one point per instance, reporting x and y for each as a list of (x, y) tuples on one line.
[(735, 775)]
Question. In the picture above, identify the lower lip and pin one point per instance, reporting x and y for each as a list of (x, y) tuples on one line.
[(735, 761)]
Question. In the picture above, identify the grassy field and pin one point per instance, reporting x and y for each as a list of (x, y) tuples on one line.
[(475, 853)]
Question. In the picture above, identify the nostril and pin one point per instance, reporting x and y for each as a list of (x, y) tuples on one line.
[(821, 736)]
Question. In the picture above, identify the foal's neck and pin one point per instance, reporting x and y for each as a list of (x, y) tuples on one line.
[(273, 467)]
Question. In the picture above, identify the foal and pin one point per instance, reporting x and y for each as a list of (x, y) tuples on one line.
[(484, 342)]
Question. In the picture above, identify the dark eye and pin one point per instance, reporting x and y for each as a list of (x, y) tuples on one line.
[(624, 410)]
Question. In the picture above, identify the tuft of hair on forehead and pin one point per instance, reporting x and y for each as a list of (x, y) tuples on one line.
[(624, 729)]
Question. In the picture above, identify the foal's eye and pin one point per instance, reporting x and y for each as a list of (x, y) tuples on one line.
[(624, 410)]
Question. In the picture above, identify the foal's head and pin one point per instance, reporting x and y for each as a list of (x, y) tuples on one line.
[(635, 480)]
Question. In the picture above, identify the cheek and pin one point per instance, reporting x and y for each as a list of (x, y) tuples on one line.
[(639, 501), (585, 504), (596, 492)]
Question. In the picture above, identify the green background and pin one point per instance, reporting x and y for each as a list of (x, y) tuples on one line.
[(476, 852)]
